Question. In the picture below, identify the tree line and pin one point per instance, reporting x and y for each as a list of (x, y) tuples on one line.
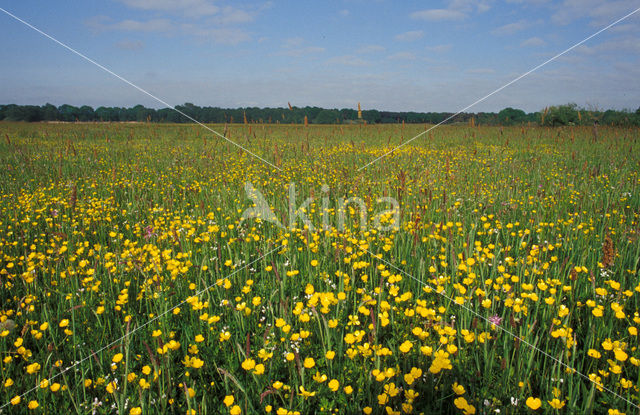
[(568, 114)]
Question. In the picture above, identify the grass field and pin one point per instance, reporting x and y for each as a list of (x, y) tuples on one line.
[(506, 279)]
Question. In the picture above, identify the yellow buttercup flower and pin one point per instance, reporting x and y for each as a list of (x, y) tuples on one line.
[(406, 346), (334, 385), (533, 403), (228, 400), (556, 403), (458, 389), (248, 364)]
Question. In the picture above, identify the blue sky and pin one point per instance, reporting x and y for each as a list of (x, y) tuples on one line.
[(388, 55)]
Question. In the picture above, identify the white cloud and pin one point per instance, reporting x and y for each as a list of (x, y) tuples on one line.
[(295, 47), (440, 48), (103, 23), (436, 15), (533, 2), (409, 36), (187, 7), (200, 18), (303, 51), (533, 41), (481, 71), (230, 15), (511, 28), (483, 7), (348, 60), (599, 12), (223, 35), (627, 45), (467, 6), (584, 50), (371, 49), (130, 45), (625, 28), (154, 25), (293, 42), (216, 33), (307, 50), (402, 56), (456, 10)]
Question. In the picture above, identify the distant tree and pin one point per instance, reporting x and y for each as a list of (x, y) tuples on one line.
[(50, 112), (562, 115), (348, 114), (86, 113), (122, 113), (169, 115), (29, 113), (371, 116), (142, 114), (106, 114), (612, 117), (326, 117), (532, 117), (313, 112), (13, 112), (68, 112), (511, 116), (436, 117), (191, 110), (33, 113), (568, 114), (390, 117), (254, 114)]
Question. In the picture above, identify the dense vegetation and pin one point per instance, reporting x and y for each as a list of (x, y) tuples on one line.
[(568, 114), (126, 257)]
